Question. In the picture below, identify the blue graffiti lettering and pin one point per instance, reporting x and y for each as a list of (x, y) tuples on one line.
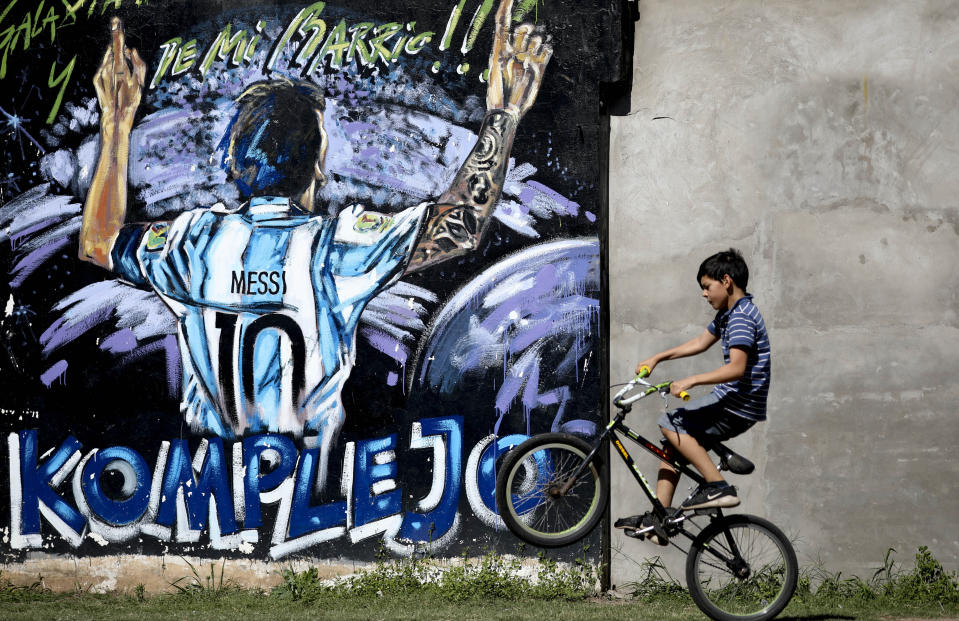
[(197, 495), (374, 482), (36, 489), (279, 455), (445, 436), (306, 518), (135, 489)]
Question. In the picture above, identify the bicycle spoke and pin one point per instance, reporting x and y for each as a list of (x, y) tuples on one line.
[(744, 568)]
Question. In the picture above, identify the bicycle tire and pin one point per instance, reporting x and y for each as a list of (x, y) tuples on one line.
[(766, 587), (535, 467)]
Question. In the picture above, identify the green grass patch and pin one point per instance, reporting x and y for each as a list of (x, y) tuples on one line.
[(492, 587)]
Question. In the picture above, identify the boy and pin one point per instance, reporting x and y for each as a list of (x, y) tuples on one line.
[(739, 398)]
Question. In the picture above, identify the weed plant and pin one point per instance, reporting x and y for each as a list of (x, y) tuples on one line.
[(491, 587), (925, 589), (490, 577)]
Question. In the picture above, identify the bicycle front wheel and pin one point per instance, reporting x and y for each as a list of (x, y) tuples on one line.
[(741, 568), (537, 498)]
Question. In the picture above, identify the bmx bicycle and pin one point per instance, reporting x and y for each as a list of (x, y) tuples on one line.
[(552, 490)]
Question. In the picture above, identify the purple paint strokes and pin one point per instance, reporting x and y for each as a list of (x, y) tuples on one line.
[(173, 372), (16, 236), (392, 378), (590, 216), (386, 344), (56, 372), (28, 264), (579, 427), (64, 330), (119, 342), (571, 207)]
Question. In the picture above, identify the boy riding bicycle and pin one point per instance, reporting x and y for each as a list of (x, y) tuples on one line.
[(736, 403)]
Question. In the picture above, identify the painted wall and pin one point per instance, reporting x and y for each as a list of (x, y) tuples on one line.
[(412, 399), (819, 138)]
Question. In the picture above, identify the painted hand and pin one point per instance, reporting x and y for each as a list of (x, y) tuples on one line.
[(119, 82), (517, 62)]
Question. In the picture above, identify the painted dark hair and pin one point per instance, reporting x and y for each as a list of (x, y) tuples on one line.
[(726, 262), (274, 139)]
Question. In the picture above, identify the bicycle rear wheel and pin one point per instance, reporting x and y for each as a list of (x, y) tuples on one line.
[(530, 496), (741, 568)]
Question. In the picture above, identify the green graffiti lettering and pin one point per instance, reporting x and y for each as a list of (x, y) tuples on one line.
[(169, 54), (26, 28), (185, 58), (359, 31), (62, 80), (251, 48), (116, 5), (305, 21), (221, 48), (10, 5), (336, 44), (51, 20), (6, 37), (451, 25), (381, 35), (417, 43), (70, 11)]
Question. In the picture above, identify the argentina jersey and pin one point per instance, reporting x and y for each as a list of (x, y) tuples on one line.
[(267, 300)]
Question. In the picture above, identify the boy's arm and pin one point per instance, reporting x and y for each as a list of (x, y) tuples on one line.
[(729, 372), (119, 87), (458, 220), (690, 348)]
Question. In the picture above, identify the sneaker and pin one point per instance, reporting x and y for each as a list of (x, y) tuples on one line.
[(633, 521), (716, 494), (638, 522)]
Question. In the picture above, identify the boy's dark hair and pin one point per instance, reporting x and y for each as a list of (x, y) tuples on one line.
[(726, 262), (274, 139)]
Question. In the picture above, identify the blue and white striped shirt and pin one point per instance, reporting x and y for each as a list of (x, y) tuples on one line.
[(267, 300), (742, 326)]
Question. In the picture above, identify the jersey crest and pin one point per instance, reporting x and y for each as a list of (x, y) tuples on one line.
[(372, 223), (156, 236)]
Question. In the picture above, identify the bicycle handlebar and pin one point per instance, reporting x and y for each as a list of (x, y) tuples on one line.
[(663, 387)]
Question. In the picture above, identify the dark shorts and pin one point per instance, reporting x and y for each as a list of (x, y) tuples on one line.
[(706, 420)]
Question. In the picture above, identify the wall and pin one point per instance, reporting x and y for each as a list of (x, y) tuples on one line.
[(818, 138), (329, 413)]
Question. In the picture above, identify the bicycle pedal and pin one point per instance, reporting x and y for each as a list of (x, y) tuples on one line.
[(636, 533), (707, 511)]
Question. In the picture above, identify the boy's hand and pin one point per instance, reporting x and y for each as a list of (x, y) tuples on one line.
[(649, 363), (680, 386)]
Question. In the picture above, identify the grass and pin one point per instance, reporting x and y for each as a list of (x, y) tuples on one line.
[(492, 587)]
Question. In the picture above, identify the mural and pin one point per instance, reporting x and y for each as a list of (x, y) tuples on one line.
[(289, 278)]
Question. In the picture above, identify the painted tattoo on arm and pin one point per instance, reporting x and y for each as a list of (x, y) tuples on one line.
[(456, 222)]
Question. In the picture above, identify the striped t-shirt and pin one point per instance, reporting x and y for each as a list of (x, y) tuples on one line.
[(742, 326)]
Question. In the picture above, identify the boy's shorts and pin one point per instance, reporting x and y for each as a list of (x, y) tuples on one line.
[(706, 420)]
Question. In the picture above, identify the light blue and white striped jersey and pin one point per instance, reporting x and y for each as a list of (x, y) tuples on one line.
[(742, 326), (267, 300)]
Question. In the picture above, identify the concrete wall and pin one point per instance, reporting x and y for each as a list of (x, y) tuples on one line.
[(820, 139)]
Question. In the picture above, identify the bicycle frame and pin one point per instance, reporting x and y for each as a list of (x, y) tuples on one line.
[(617, 424)]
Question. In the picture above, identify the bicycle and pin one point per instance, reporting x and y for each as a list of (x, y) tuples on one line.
[(552, 491)]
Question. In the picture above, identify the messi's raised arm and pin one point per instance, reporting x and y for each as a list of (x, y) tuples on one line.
[(457, 221), (119, 85)]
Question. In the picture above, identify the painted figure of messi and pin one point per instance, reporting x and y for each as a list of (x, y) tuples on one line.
[(267, 296)]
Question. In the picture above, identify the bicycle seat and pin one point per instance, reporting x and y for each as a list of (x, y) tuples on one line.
[(731, 460)]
